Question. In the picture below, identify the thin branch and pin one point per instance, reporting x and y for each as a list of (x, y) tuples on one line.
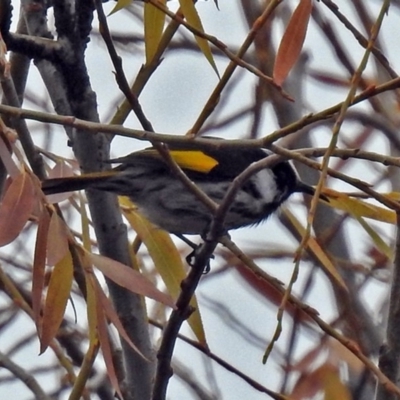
[(360, 38), (215, 95), (24, 376), (195, 143), (224, 364), (312, 314), (236, 59), (178, 316), (119, 71), (20, 125)]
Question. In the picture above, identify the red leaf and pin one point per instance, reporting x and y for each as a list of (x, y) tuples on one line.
[(113, 317), (16, 208), (292, 41), (130, 279), (106, 348), (324, 378)]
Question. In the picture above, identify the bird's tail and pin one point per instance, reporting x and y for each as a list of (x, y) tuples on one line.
[(95, 180)]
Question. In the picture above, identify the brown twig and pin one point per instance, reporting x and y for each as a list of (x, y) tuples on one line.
[(119, 71), (363, 41), (215, 95), (312, 314), (152, 137), (224, 364), (220, 46)]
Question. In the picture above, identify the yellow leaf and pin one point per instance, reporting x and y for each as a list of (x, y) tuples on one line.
[(153, 27), (318, 252), (56, 300), (85, 223), (333, 386), (91, 312), (91, 299), (359, 209), (393, 195), (379, 243), (120, 5), (167, 260), (192, 17), (341, 201)]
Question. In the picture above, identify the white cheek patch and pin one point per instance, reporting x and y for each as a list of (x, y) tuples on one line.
[(266, 184)]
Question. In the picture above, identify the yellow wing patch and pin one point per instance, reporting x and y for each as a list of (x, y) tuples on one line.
[(194, 160)]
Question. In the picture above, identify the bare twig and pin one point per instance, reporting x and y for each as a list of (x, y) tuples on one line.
[(312, 314), (24, 376), (236, 59), (119, 71)]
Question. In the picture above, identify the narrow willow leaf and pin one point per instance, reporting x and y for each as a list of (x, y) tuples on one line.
[(56, 300), (192, 17), (316, 249), (113, 317), (16, 207), (121, 4), (167, 261), (342, 201), (292, 41), (130, 279), (106, 349), (39, 263), (153, 28)]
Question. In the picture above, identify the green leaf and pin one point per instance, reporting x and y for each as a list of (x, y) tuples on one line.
[(120, 5), (192, 17), (153, 28), (167, 261)]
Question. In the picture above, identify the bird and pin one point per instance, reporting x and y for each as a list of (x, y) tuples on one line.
[(146, 178)]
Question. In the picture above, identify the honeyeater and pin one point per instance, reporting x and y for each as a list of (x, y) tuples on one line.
[(161, 196)]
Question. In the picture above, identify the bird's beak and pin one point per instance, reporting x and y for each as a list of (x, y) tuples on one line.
[(301, 187)]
